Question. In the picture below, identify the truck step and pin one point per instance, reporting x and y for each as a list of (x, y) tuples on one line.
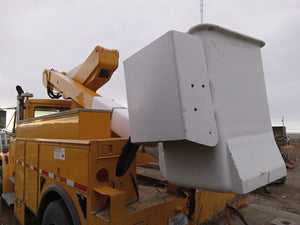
[(12, 179), (104, 214), (9, 198)]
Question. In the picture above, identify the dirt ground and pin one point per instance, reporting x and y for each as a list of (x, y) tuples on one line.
[(283, 196), (282, 200)]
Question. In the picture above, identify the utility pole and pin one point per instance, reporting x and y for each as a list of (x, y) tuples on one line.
[(201, 11)]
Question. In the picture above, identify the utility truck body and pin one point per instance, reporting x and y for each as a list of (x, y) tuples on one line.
[(197, 102)]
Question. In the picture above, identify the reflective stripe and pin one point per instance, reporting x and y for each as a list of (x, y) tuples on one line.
[(51, 175), (70, 183), (66, 181)]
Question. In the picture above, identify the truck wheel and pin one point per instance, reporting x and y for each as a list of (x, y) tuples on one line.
[(1, 186), (1, 172), (57, 213)]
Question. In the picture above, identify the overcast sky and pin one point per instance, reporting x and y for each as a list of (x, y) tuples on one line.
[(60, 34)]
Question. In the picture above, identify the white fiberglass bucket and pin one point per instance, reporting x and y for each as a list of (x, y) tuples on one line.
[(203, 95)]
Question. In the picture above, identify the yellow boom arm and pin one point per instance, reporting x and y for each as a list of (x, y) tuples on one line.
[(81, 83)]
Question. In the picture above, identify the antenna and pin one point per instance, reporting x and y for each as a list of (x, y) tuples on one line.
[(201, 11), (282, 120)]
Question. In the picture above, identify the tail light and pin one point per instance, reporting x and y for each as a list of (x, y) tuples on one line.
[(102, 175)]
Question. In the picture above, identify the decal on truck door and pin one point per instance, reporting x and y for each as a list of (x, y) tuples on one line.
[(59, 153)]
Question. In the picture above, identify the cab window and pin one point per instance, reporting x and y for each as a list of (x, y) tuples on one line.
[(43, 111)]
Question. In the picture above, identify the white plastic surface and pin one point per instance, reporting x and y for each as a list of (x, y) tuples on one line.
[(169, 92), (240, 154), (120, 122), (119, 115)]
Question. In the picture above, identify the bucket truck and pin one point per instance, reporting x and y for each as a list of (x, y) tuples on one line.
[(196, 100)]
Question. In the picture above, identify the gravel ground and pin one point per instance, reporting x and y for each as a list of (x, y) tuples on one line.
[(7, 215), (283, 196)]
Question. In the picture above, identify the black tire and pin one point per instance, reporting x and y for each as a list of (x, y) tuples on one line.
[(1, 179), (1, 186), (1, 171), (57, 213)]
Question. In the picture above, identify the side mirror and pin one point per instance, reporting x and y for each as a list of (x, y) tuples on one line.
[(2, 119)]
